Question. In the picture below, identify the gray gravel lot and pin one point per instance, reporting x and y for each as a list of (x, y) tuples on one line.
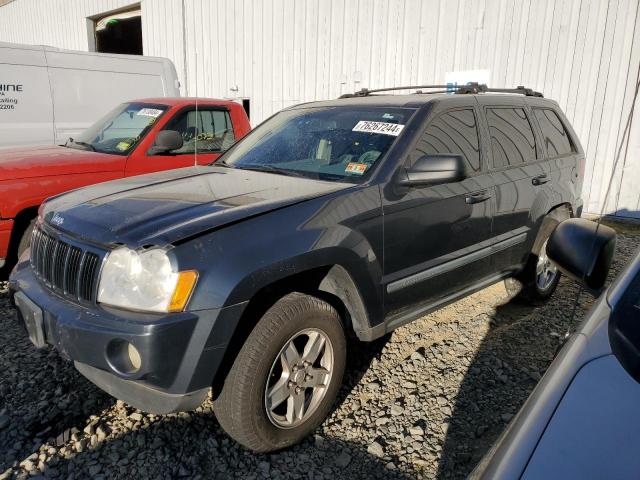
[(426, 402)]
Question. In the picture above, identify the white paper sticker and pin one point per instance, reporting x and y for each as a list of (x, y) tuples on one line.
[(378, 127), (150, 112)]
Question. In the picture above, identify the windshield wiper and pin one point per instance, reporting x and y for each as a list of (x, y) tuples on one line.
[(82, 144), (85, 144), (221, 163), (271, 169)]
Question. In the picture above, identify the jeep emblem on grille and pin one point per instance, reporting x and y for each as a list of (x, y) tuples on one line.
[(57, 219)]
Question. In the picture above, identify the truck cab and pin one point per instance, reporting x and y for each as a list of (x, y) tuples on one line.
[(127, 141)]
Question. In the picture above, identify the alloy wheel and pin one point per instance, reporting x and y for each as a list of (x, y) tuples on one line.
[(546, 271), (299, 378)]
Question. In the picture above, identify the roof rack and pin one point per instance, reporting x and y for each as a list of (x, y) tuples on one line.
[(470, 88)]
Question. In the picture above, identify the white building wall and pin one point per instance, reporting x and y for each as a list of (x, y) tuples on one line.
[(583, 53)]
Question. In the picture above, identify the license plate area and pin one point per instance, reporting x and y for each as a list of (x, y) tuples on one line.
[(32, 318)]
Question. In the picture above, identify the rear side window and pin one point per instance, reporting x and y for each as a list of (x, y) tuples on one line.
[(512, 140), (556, 138), (205, 131), (452, 132)]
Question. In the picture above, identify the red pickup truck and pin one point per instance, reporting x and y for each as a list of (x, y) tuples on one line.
[(137, 137)]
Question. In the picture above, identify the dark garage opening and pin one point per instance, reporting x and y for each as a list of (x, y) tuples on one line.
[(120, 33)]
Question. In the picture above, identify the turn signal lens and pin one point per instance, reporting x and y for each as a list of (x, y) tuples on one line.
[(184, 288)]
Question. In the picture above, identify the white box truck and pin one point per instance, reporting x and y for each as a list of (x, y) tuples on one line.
[(48, 94)]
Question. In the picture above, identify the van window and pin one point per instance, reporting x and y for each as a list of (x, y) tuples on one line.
[(204, 130), (512, 140), (556, 138), (452, 132)]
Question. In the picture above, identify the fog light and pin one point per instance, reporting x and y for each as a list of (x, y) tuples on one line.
[(123, 356), (134, 357)]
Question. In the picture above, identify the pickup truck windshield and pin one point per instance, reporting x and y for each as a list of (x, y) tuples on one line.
[(120, 130), (335, 143)]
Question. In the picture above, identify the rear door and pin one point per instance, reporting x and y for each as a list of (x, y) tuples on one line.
[(519, 170), (565, 157), (434, 235), (206, 133)]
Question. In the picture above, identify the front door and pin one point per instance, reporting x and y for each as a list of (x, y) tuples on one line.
[(434, 236), (206, 133)]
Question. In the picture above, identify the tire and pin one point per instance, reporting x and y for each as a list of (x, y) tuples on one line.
[(242, 408), (25, 239), (528, 286)]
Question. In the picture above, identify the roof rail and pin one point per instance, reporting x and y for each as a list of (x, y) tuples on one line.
[(520, 89), (444, 89), (470, 88)]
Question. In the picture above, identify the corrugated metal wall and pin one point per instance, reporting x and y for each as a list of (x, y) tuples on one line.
[(583, 53)]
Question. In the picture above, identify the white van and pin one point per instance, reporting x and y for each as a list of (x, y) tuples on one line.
[(48, 95)]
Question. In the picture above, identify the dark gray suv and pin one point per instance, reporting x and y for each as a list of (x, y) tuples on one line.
[(345, 217)]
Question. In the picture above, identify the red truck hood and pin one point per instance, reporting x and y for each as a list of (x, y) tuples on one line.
[(44, 161)]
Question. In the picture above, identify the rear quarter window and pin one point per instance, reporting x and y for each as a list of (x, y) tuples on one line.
[(555, 135)]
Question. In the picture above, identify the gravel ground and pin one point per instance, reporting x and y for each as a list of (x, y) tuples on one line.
[(427, 401)]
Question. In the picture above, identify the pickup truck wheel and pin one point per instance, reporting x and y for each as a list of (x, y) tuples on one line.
[(25, 239), (539, 279), (286, 376)]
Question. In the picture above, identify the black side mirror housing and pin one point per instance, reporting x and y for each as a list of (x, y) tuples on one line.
[(434, 169), (583, 251), (166, 141)]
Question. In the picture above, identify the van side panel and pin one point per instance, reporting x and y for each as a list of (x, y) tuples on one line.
[(26, 111), (87, 86)]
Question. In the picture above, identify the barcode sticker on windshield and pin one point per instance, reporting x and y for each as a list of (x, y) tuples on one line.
[(384, 128), (150, 112)]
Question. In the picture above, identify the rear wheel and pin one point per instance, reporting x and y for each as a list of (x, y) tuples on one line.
[(539, 279), (285, 379)]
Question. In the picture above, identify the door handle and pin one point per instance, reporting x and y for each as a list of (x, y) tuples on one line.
[(540, 179), (477, 197)]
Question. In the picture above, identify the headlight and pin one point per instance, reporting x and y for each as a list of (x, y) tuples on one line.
[(144, 281)]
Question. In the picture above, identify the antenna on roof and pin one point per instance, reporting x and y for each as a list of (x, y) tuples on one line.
[(195, 144)]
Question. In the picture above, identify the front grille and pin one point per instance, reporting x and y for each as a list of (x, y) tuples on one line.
[(66, 268)]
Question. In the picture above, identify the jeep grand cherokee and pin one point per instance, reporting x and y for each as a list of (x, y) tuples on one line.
[(244, 278)]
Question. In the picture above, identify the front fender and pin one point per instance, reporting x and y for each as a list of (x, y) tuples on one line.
[(238, 261)]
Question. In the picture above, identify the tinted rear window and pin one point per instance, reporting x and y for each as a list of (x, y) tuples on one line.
[(555, 135), (512, 140)]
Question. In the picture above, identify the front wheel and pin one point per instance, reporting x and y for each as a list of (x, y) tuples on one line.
[(286, 376)]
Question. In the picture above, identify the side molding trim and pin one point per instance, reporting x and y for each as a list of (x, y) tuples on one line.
[(455, 263)]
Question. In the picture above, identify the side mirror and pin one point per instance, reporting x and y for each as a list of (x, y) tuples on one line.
[(166, 141), (583, 250), (434, 169)]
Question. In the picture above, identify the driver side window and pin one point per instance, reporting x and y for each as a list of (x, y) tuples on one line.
[(204, 131), (454, 132)]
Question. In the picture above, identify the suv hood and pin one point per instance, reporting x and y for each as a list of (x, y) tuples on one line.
[(29, 162), (169, 206)]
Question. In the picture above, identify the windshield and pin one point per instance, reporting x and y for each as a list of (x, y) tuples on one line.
[(120, 130), (335, 143)]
